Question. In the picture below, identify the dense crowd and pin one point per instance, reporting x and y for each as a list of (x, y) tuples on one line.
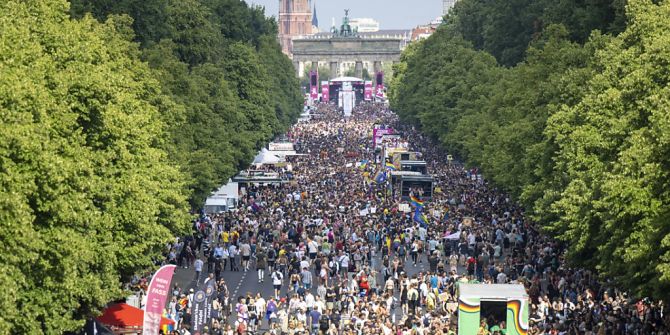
[(343, 259)]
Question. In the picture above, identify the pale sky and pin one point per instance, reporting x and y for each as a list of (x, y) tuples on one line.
[(391, 14)]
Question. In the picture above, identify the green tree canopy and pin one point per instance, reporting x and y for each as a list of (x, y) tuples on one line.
[(88, 196), (571, 121)]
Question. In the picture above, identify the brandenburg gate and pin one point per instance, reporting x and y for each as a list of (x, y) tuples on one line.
[(346, 45)]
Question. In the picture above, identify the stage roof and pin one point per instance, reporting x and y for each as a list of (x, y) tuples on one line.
[(345, 79)]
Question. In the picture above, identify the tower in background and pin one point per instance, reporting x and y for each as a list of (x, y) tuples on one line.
[(295, 19), (315, 22)]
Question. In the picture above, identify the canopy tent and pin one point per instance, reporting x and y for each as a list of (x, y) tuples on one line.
[(122, 318), (265, 157)]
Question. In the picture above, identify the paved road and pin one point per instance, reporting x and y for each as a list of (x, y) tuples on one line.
[(239, 283)]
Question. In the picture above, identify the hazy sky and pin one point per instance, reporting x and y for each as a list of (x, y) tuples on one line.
[(391, 14)]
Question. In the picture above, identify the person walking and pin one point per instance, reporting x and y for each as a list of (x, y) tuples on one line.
[(197, 265), (245, 251), (261, 264), (277, 279)]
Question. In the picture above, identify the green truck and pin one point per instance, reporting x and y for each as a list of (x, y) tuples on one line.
[(502, 307)]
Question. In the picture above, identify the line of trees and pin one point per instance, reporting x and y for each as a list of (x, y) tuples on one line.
[(565, 105), (117, 117)]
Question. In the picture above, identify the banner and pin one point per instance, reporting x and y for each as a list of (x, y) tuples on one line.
[(210, 294), (202, 305), (156, 297), (325, 91), (379, 88), (198, 311), (379, 92), (367, 95), (378, 133), (313, 85)]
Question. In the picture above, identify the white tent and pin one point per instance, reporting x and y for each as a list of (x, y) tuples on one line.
[(265, 157)]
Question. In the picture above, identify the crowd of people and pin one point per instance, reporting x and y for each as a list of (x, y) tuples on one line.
[(344, 259)]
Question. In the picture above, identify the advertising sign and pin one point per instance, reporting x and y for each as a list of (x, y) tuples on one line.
[(156, 298), (379, 87), (325, 91), (378, 133), (313, 85), (367, 95), (280, 146)]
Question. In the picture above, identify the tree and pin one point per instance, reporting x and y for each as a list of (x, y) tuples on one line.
[(88, 197), (613, 149)]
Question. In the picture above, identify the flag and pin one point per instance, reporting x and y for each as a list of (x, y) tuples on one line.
[(156, 297), (363, 164), (420, 218), (255, 207), (390, 166), (416, 202), (381, 177)]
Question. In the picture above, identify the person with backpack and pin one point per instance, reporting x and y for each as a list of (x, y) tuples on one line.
[(277, 279), (261, 264), (272, 258)]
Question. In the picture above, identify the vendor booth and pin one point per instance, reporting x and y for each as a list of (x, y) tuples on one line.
[(265, 157), (122, 318), (498, 304)]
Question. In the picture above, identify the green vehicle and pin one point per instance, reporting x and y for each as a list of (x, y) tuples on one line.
[(503, 307)]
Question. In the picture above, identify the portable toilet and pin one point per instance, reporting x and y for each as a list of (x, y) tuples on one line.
[(494, 303)]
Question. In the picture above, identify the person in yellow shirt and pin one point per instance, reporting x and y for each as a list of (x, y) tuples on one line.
[(225, 236), (234, 236)]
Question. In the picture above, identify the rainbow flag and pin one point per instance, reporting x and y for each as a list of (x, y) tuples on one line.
[(167, 328), (390, 166), (416, 202)]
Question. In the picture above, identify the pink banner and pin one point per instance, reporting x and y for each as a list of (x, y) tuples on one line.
[(379, 92), (378, 133), (325, 91), (157, 294), (367, 95), (313, 85)]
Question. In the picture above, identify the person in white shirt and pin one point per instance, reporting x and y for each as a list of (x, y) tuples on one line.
[(260, 307), (344, 262), (198, 269), (277, 279), (502, 278)]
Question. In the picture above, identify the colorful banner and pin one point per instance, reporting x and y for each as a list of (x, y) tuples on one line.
[(367, 95), (379, 85), (379, 92), (156, 297), (325, 91), (378, 133)]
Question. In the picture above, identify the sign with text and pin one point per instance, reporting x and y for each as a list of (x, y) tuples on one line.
[(367, 95), (325, 91), (156, 298)]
